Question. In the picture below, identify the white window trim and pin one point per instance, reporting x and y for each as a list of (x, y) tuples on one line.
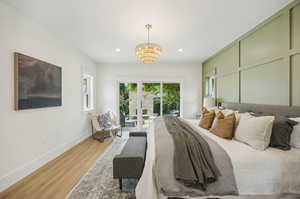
[(90, 93)]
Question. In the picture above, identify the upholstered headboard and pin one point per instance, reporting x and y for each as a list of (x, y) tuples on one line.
[(260, 108)]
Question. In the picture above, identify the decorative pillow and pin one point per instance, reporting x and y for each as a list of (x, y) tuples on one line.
[(295, 137), (238, 116), (281, 131), (105, 120), (223, 126), (215, 108), (218, 116), (255, 131), (212, 108), (224, 111), (113, 119), (207, 118), (227, 111)]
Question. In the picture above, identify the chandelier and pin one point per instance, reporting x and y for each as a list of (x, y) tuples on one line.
[(148, 52)]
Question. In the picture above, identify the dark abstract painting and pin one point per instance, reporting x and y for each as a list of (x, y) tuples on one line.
[(37, 83)]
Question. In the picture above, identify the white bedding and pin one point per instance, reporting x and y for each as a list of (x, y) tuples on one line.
[(257, 172)]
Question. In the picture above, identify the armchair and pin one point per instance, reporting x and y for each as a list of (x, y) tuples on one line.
[(98, 132)]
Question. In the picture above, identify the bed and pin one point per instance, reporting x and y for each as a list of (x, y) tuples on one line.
[(258, 174)]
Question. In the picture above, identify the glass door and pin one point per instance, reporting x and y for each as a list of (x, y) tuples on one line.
[(150, 102), (140, 102), (171, 99), (128, 104)]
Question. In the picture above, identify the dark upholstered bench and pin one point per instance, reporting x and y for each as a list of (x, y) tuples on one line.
[(138, 134), (130, 162)]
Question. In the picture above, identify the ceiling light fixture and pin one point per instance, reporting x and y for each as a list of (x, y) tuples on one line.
[(118, 50), (180, 50), (148, 52)]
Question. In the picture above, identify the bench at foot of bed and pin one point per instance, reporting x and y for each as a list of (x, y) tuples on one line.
[(130, 162)]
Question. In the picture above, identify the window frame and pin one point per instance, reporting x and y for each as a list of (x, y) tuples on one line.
[(88, 92)]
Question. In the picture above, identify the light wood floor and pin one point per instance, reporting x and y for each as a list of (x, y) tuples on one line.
[(57, 178)]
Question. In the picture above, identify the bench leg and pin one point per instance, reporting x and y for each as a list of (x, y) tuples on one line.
[(120, 182)]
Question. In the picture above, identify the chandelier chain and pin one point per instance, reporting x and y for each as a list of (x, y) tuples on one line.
[(148, 26), (148, 35)]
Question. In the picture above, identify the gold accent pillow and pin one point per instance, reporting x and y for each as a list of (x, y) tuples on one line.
[(207, 118), (224, 126)]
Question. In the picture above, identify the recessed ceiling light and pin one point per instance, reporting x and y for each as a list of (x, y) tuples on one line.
[(180, 50), (118, 50)]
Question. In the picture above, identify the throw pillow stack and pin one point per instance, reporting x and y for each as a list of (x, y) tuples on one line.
[(258, 130)]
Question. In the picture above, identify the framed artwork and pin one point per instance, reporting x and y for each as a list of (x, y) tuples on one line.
[(37, 84)]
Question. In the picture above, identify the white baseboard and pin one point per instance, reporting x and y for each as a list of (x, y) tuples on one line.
[(21, 172)]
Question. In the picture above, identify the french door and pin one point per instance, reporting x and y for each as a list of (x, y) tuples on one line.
[(140, 102)]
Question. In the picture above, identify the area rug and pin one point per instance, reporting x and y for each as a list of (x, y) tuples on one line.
[(98, 183)]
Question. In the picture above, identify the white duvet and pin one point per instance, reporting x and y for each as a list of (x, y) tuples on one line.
[(257, 172)]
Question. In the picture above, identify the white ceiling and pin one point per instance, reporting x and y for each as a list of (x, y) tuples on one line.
[(98, 27)]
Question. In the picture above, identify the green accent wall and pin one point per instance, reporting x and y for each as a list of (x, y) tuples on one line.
[(262, 66)]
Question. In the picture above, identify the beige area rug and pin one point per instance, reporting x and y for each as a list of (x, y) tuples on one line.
[(98, 183)]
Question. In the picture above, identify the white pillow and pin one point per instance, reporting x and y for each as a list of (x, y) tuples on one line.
[(238, 117), (255, 131), (295, 136)]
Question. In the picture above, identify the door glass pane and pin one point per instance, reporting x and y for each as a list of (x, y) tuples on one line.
[(128, 104), (150, 102), (171, 99)]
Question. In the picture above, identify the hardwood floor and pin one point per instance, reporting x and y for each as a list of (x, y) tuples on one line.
[(57, 178)]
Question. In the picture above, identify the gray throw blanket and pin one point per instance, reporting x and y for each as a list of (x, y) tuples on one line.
[(193, 161), (186, 161)]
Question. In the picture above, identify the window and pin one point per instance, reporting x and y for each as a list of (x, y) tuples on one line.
[(88, 92), (210, 86), (206, 86)]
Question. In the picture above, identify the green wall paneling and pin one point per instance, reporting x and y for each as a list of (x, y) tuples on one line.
[(263, 65), (295, 80), (267, 41), (295, 27), (227, 88), (265, 84), (227, 61)]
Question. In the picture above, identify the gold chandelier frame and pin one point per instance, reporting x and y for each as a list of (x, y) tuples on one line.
[(148, 52)]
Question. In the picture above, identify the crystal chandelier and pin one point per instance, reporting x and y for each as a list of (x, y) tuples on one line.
[(148, 52)]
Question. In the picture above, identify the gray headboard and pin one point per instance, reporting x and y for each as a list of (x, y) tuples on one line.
[(259, 108)]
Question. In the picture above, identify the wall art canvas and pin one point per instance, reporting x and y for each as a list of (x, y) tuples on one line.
[(37, 84)]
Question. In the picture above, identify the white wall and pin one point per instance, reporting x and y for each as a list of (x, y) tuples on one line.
[(109, 74), (28, 139)]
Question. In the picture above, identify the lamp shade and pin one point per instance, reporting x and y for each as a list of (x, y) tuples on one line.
[(209, 102)]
